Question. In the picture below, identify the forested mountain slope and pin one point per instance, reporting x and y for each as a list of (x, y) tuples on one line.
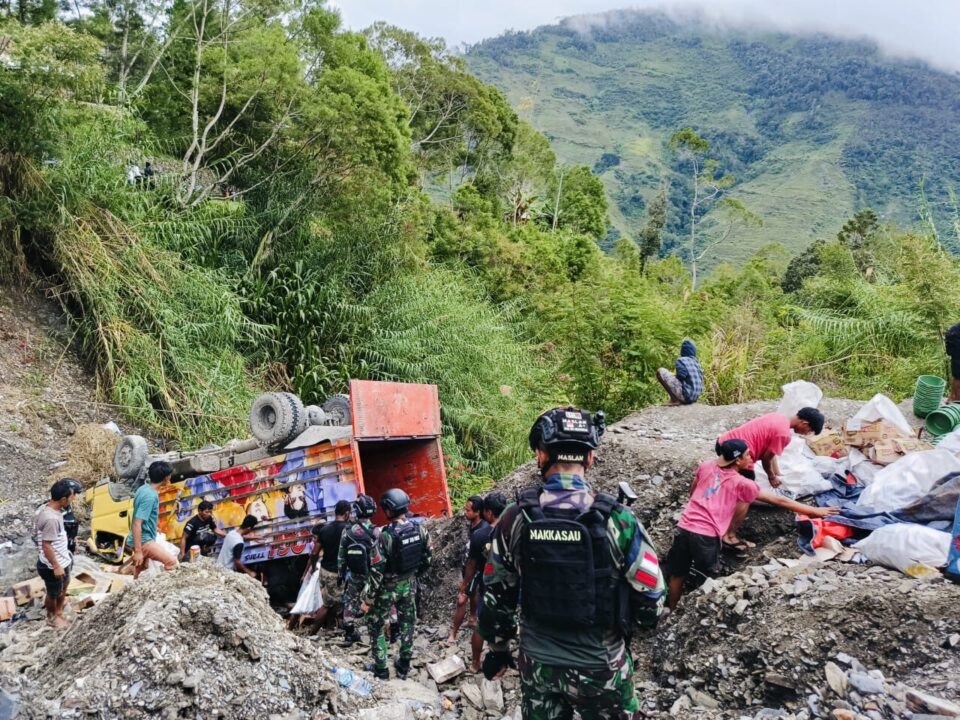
[(812, 127)]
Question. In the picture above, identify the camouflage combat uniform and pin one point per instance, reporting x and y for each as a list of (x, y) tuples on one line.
[(584, 669), (356, 592), (389, 590)]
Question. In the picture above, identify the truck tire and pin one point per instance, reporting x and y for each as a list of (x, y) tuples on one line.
[(337, 410), (298, 415), (130, 457), (315, 415), (272, 418)]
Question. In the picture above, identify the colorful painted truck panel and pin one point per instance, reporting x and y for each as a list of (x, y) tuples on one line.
[(394, 441)]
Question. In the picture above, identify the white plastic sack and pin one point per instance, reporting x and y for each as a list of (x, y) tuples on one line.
[(798, 475), (799, 394), (880, 407), (153, 566), (950, 442), (904, 544), (310, 598), (908, 479), (863, 470)]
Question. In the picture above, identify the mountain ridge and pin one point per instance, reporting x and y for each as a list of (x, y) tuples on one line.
[(813, 127)]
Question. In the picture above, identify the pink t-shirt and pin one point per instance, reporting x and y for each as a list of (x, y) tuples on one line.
[(715, 496), (767, 432)]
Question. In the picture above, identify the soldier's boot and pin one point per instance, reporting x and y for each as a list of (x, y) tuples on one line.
[(351, 634), (378, 673), (402, 666)]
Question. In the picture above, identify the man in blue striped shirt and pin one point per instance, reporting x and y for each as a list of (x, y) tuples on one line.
[(686, 386)]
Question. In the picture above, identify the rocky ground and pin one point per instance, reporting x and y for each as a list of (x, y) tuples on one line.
[(773, 638)]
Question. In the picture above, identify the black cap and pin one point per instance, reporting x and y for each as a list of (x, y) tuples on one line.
[(813, 417), (730, 450)]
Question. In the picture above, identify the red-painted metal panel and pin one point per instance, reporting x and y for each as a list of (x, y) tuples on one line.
[(414, 466), (394, 410)]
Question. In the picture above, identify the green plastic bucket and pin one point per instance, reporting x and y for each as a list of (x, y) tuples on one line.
[(944, 419), (928, 394)]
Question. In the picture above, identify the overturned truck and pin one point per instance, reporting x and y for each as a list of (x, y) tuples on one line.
[(290, 475)]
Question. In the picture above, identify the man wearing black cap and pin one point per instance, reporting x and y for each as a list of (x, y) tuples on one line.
[(768, 436), (719, 494)]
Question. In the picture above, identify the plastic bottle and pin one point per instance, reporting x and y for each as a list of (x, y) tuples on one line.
[(353, 682)]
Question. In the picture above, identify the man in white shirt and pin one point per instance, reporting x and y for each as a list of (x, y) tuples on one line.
[(55, 559)]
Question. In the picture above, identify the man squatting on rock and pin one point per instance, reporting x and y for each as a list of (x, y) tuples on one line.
[(55, 560), (766, 437), (719, 493), (583, 574)]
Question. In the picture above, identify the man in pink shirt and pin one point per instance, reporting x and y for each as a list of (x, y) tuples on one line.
[(768, 435), (718, 494)]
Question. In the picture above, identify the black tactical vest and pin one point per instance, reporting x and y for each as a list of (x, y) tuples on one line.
[(568, 578), (406, 551), (358, 550)]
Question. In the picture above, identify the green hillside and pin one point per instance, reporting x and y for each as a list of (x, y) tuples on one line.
[(812, 127)]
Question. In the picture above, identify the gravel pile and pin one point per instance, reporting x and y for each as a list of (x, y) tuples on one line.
[(198, 642), (764, 638)]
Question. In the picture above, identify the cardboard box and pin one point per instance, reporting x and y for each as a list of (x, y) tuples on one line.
[(28, 590), (872, 433), (8, 608), (829, 443), (887, 452)]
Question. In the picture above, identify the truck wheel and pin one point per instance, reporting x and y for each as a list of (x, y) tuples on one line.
[(272, 418), (130, 457), (315, 415), (337, 409), (298, 415)]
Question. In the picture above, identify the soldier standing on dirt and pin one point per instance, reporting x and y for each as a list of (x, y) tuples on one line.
[(583, 573), (359, 548), (405, 547)]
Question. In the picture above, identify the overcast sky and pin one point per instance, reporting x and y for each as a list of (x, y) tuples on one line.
[(927, 29)]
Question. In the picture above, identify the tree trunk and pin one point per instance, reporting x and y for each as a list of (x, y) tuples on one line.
[(693, 226)]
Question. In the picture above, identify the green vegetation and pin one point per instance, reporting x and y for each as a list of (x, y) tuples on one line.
[(813, 128), (332, 205)]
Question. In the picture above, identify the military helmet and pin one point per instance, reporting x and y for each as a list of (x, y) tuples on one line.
[(364, 506), (395, 501), (567, 434)]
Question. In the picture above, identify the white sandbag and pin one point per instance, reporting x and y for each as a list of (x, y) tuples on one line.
[(908, 479), (863, 470), (310, 597), (799, 394), (798, 475), (880, 407), (904, 544), (951, 442)]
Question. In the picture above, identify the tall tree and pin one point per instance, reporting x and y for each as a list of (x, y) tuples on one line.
[(457, 123), (708, 191), (580, 202), (651, 237)]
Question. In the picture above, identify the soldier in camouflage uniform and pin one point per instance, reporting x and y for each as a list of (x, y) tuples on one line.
[(583, 574), (359, 550), (405, 554)]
